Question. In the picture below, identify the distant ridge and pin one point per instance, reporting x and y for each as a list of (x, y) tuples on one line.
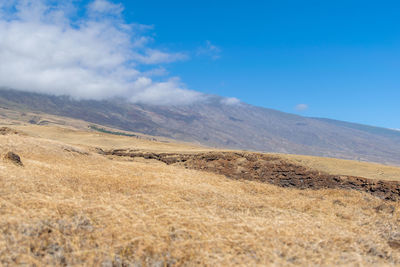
[(213, 123)]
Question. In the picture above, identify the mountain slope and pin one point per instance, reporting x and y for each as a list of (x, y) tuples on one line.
[(216, 124)]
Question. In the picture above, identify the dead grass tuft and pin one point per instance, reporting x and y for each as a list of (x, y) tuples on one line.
[(7, 131)]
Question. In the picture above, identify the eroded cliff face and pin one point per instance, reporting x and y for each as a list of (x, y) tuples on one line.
[(267, 169)]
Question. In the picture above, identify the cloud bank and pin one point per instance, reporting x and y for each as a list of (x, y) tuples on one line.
[(46, 47)]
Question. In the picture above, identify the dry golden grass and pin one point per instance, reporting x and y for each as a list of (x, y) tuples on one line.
[(70, 206), (74, 133), (88, 138), (347, 167)]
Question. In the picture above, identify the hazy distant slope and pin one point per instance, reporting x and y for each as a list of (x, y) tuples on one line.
[(393, 134), (212, 123)]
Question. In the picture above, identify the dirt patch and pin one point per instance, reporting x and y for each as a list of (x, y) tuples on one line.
[(268, 169), (14, 158)]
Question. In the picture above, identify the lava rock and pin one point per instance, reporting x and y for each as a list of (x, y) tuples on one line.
[(14, 158)]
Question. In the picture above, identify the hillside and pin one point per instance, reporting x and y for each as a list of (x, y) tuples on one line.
[(213, 123), (79, 199)]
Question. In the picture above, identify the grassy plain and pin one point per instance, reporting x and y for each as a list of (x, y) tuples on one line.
[(69, 205)]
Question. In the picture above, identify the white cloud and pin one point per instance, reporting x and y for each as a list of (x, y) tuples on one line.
[(103, 6), (161, 71), (164, 93), (42, 49), (230, 101), (301, 107), (152, 56), (209, 50)]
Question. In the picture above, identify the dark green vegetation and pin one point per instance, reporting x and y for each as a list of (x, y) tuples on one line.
[(94, 127), (215, 124)]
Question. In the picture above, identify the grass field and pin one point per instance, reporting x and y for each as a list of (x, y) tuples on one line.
[(69, 205)]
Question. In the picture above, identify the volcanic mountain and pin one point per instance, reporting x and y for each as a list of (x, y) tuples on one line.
[(215, 123)]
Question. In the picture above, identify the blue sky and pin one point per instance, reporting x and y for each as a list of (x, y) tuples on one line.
[(341, 58), (334, 59)]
